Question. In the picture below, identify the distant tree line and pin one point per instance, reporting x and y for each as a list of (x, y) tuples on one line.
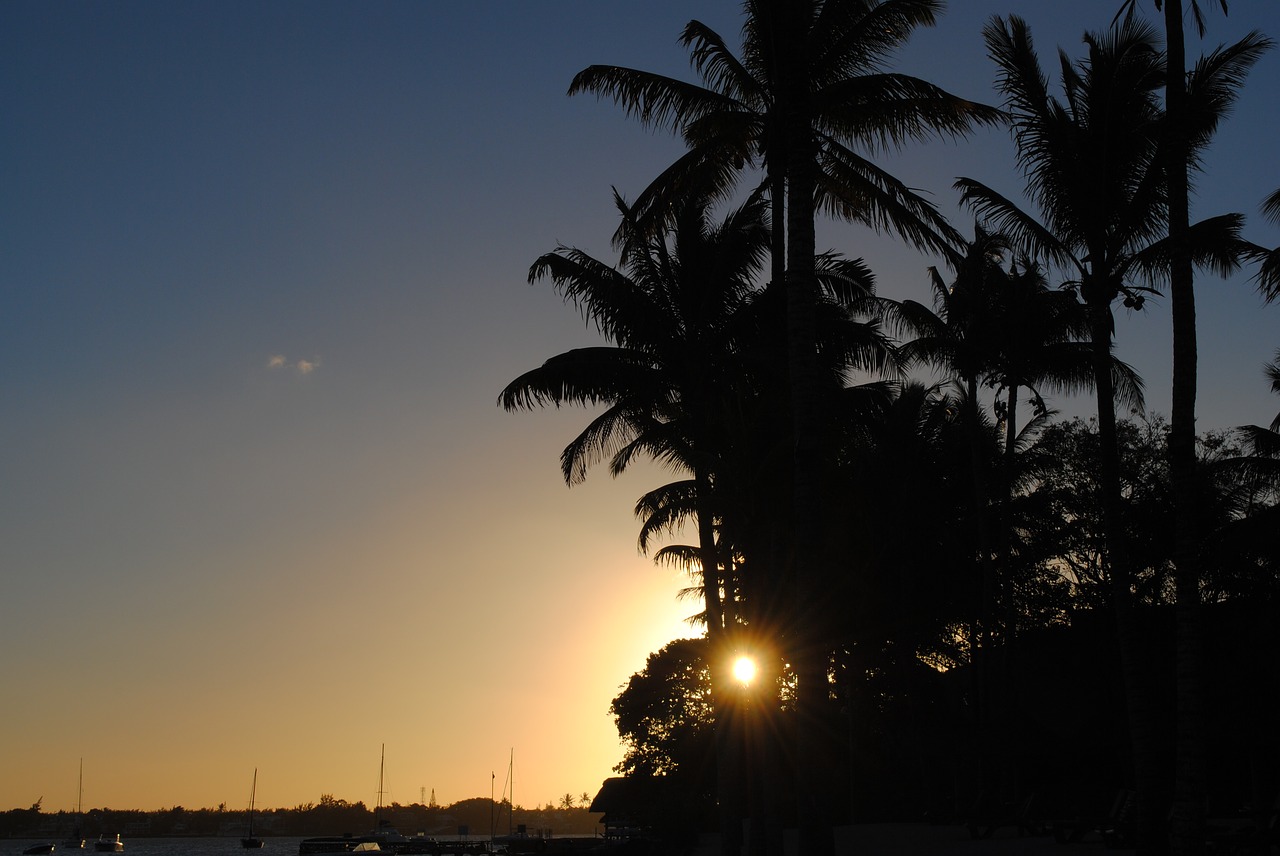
[(329, 816)]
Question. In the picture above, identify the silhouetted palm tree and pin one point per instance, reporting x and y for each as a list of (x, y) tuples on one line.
[(1097, 168), (669, 377), (694, 359), (810, 86), (957, 337), (1093, 169), (670, 371), (1191, 118), (1006, 330), (1003, 329)]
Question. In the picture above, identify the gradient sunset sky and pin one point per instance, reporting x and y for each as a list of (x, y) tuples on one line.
[(262, 269)]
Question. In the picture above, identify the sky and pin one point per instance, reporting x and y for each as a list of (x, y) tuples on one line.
[(262, 277)]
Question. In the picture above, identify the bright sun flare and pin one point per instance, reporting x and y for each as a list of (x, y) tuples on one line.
[(744, 669)]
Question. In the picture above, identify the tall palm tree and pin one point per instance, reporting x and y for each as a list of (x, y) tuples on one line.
[(690, 362), (1186, 133), (1096, 169), (668, 378), (809, 90), (1005, 329), (955, 336)]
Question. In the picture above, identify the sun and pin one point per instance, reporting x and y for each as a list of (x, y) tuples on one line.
[(744, 670)]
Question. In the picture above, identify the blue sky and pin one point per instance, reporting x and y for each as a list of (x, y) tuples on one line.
[(263, 275)]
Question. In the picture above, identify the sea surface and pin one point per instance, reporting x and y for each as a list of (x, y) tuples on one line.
[(202, 846)]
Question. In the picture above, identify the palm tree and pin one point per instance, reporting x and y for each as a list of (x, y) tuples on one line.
[(752, 472), (1094, 167), (1097, 167), (1007, 330), (1188, 135), (691, 366), (1186, 132), (955, 336), (669, 377), (809, 88)]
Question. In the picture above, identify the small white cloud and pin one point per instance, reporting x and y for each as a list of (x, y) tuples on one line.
[(278, 362)]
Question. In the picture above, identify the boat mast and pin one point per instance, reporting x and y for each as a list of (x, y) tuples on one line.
[(253, 793), (382, 766), (511, 775)]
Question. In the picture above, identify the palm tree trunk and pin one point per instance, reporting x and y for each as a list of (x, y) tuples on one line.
[(1187, 829), (1143, 738), (981, 642), (727, 743), (1008, 600), (805, 630), (778, 220), (1010, 659)]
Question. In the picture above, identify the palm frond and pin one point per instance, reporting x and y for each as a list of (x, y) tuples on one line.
[(884, 111), (719, 68), (599, 441), (616, 304), (1215, 243), (855, 38), (1128, 386), (582, 376), (1215, 83), (654, 99), (664, 510), (853, 188), (1024, 231), (1271, 207)]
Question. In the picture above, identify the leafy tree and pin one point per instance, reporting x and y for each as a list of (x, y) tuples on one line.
[(665, 716)]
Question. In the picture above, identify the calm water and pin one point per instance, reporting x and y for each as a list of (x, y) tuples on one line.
[(282, 846)]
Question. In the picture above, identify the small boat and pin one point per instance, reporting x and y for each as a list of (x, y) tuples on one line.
[(109, 845), (249, 842), (39, 850)]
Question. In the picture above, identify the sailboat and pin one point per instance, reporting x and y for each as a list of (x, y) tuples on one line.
[(383, 839), (74, 840), (249, 842)]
